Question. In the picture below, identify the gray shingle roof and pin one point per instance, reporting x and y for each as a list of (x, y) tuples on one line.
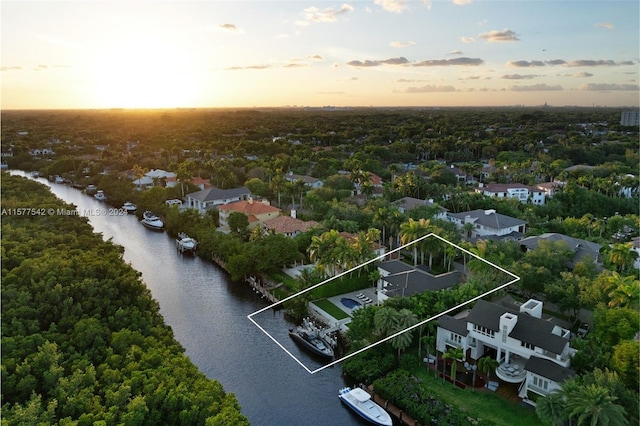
[(489, 219), (549, 369), (213, 193), (458, 326), (535, 331)]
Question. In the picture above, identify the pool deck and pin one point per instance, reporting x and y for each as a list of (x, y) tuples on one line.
[(369, 293)]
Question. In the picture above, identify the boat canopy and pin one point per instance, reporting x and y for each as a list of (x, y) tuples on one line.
[(360, 395)]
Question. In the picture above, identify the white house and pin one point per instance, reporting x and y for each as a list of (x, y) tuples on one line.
[(531, 351), (211, 197), (309, 181), (489, 223), (522, 193)]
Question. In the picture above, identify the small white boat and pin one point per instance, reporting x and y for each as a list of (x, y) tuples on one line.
[(129, 207), (99, 195), (90, 189), (185, 243), (59, 179), (35, 174), (360, 401), (152, 221)]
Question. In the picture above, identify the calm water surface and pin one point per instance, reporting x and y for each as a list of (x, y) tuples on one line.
[(208, 314)]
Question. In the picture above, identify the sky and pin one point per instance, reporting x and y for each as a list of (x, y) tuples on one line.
[(263, 53)]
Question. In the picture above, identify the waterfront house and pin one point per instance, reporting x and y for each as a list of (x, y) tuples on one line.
[(289, 226), (309, 181), (212, 197), (532, 352), (398, 279), (257, 212), (489, 224)]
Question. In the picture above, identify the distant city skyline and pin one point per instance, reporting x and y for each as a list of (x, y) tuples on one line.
[(259, 53)]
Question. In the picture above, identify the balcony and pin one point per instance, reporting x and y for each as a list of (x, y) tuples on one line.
[(512, 372)]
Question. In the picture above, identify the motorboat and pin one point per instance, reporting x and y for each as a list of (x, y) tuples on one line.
[(151, 221), (312, 339), (99, 195), (129, 207), (185, 243), (90, 189), (360, 401), (35, 174)]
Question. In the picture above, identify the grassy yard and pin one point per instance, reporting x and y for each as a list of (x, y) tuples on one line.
[(477, 404), (331, 309)]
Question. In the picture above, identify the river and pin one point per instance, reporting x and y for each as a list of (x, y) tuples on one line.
[(208, 315)]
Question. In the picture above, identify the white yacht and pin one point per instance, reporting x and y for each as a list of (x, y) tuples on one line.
[(185, 243), (129, 207), (360, 401), (99, 195), (152, 221)]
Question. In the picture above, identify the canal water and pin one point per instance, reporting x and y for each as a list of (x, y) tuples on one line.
[(208, 315)]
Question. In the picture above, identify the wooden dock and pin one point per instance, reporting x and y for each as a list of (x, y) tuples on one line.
[(395, 412), (262, 290)]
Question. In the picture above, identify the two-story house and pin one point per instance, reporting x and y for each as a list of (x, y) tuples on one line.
[(585, 251), (289, 226), (531, 351), (309, 181), (258, 212), (520, 192)]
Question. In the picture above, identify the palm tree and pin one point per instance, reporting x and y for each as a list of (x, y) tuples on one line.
[(411, 231), (404, 319), (594, 405), (625, 291), (382, 219), (551, 409), (487, 364), (385, 320), (622, 256), (454, 354)]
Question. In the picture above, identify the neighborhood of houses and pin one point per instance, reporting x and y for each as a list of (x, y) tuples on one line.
[(532, 350)]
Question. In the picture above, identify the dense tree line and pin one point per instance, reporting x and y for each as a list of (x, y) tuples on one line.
[(83, 342)]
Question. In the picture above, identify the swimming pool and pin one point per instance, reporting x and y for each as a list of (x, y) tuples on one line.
[(349, 303)]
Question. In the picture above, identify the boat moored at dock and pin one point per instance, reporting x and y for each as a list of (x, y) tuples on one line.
[(312, 339), (151, 221), (99, 195), (129, 207), (186, 244), (360, 402)]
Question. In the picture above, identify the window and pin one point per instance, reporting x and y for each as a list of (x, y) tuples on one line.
[(540, 382), (527, 345), (455, 338), (483, 330)]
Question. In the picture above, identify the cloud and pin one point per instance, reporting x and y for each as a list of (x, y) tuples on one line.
[(250, 67), (581, 74), (607, 25), (329, 14), (401, 43), (231, 28), (368, 63), (316, 57), (468, 39), (535, 88), (600, 87), (596, 63), (471, 77), (12, 68), (394, 6), (499, 36), (41, 68), (447, 62), (519, 76), (556, 62), (461, 2), (408, 80), (456, 52), (429, 88), (295, 65), (525, 64)]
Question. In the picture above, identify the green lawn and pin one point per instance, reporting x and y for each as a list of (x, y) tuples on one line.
[(482, 405), (331, 309)]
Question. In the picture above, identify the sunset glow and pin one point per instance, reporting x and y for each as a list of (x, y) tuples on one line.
[(106, 54)]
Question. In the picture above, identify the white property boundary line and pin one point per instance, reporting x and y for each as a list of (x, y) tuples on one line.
[(500, 287)]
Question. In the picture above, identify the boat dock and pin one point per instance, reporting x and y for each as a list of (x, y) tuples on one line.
[(395, 412), (262, 290)]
